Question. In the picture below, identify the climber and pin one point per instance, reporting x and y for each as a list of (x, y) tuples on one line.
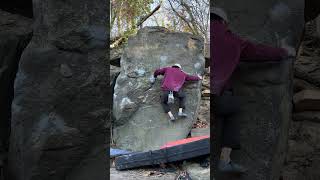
[(172, 83), (226, 50)]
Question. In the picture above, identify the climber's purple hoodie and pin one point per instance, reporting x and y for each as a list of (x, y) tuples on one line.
[(227, 49), (174, 78)]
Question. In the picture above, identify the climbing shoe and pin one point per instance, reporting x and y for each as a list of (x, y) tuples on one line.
[(230, 167), (171, 119), (182, 114)]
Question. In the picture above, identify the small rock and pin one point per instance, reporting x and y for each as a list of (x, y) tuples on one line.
[(136, 175), (65, 70), (196, 171), (299, 85), (307, 116), (206, 93), (307, 100)]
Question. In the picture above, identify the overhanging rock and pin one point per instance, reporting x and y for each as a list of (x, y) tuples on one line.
[(265, 88), (140, 122)]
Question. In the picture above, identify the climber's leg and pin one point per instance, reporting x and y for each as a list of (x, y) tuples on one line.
[(165, 105), (182, 103), (226, 107), (231, 133)]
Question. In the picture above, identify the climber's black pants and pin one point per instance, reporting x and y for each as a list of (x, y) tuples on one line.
[(226, 127), (180, 95)]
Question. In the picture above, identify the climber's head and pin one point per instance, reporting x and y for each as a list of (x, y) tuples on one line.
[(218, 14), (177, 66)]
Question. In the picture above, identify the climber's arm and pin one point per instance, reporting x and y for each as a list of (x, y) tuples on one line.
[(158, 72), (192, 78), (260, 52)]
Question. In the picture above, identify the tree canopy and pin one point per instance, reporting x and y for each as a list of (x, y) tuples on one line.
[(177, 15)]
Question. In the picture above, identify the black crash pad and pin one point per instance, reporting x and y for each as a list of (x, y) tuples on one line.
[(165, 155)]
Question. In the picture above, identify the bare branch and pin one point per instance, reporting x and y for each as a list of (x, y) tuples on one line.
[(147, 16)]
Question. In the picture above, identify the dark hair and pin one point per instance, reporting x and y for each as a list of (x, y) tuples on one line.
[(214, 17)]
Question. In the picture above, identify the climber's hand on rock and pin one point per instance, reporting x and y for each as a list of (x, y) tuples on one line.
[(290, 50), (200, 77), (152, 80)]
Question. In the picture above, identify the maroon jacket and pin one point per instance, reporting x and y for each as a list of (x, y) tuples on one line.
[(227, 49), (174, 78)]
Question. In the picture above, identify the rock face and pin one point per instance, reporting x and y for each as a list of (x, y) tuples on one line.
[(197, 172), (299, 85), (140, 122), (307, 100), (306, 66), (15, 34), (265, 88), (318, 26), (60, 99), (303, 151)]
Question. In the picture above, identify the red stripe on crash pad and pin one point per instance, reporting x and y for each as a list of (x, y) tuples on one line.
[(183, 141)]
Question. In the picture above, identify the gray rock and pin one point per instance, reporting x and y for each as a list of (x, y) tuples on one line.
[(140, 122), (200, 132), (114, 72), (299, 85), (115, 56), (313, 116), (307, 100), (306, 68), (15, 34), (58, 123), (290, 174), (310, 130), (265, 88), (197, 172), (65, 70), (139, 175), (302, 157)]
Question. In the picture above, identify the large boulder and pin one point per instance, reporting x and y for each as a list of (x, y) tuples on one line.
[(60, 99), (15, 34), (265, 88), (140, 122), (303, 151)]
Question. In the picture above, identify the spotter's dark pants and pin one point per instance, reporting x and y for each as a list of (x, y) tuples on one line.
[(226, 127), (225, 130), (180, 95)]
